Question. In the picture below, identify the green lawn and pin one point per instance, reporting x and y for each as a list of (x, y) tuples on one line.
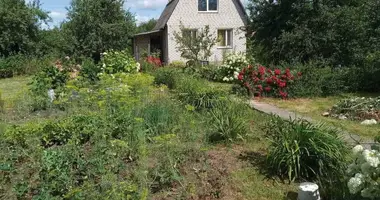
[(315, 107), (12, 87)]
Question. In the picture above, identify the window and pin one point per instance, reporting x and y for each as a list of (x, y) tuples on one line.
[(225, 38), (207, 5)]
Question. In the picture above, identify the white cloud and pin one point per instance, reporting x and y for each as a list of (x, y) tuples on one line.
[(57, 14), (146, 4)]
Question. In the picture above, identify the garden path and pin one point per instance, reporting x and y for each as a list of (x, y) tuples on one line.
[(285, 114)]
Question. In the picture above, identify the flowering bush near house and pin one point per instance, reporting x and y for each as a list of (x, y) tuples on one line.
[(232, 65), (365, 173), (262, 81), (119, 61), (154, 60)]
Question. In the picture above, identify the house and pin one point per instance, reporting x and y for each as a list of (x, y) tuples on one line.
[(226, 18)]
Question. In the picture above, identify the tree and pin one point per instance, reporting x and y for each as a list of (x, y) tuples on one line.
[(147, 26), (95, 26), (19, 26), (335, 32), (195, 45)]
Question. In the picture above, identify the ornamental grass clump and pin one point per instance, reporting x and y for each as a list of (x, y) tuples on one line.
[(302, 151), (364, 173)]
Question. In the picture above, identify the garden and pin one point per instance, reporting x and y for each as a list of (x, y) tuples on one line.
[(127, 130), (80, 118)]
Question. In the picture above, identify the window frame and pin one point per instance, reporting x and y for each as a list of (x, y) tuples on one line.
[(226, 33), (193, 33), (207, 7)]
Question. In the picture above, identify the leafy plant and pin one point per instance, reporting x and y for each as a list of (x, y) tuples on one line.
[(167, 76), (364, 173), (194, 47), (119, 61), (227, 121), (198, 93), (301, 150)]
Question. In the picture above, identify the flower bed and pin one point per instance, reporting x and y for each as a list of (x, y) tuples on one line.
[(262, 81), (358, 108)]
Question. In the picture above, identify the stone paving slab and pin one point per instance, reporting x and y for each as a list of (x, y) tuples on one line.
[(350, 138)]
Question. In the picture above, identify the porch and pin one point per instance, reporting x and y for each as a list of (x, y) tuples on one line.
[(148, 43)]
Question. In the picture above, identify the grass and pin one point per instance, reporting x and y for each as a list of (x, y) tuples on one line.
[(315, 107), (12, 87)]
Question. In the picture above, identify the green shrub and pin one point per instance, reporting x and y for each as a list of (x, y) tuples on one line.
[(166, 76), (177, 64), (319, 81), (90, 70), (119, 61), (22, 65), (300, 150), (198, 92), (227, 121)]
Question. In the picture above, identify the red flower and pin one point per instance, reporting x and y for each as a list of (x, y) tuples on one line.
[(283, 94), (277, 72), (269, 80), (299, 74), (262, 70), (282, 84), (269, 71), (260, 87), (240, 77), (268, 89)]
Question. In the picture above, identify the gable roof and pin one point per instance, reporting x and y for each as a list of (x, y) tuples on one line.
[(165, 15), (169, 9)]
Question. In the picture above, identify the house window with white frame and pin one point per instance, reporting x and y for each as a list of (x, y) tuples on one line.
[(225, 38), (207, 5)]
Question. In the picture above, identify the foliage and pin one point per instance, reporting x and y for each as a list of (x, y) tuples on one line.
[(94, 27), (320, 81), (146, 26), (358, 108), (364, 173), (300, 150), (198, 93), (119, 61), (232, 66), (194, 47), (167, 76), (19, 27), (262, 81), (227, 121), (90, 70), (22, 64), (302, 31)]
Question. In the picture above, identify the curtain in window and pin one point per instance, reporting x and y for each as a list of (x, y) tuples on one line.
[(221, 38)]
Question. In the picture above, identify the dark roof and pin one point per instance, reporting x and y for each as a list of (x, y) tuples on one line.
[(165, 15), (169, 9), (147, 33)]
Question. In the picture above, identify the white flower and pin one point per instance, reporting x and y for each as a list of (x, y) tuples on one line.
[(355, 183), (371, 157), (231, 78), (358, 149), (226, 79), (138, 67), (366, 168)]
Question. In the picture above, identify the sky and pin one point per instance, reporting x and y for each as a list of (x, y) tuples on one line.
[(143, 9)]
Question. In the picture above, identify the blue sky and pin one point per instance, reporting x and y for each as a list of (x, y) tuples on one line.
[(143, 9)]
